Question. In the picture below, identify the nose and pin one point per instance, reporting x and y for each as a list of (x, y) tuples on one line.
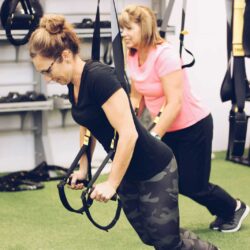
[(47, 78)]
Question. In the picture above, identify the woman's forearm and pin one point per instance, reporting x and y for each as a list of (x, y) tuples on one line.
[(84, 165), (124, 151), (167, 118), (173, 87)]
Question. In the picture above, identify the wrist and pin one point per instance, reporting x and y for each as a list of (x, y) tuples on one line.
[(83, 173), (113, 184), (154, 134)]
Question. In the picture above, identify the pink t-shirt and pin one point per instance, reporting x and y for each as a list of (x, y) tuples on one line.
[(161, 61)]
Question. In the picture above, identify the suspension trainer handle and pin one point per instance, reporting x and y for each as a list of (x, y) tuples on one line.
[(63, 182), (109, 225), (89, 187), (28, 17), (87, 201), (76, 160)]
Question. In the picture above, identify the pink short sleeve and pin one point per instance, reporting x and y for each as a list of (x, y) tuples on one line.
[(168, 61)]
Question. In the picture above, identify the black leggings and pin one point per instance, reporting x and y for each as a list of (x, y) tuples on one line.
[(151, 207)]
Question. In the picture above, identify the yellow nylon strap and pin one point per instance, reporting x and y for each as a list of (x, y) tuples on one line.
[(238, 23), (184, 32), (112, 144), (157, 118), (86, 137)]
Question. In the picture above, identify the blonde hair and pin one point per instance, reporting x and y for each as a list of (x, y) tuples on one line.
[(145, 18), (53, 35)]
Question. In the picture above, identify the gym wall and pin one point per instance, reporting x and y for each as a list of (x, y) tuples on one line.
[(206, 23)]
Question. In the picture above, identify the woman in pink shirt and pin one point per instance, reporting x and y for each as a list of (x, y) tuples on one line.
[(158, 80)]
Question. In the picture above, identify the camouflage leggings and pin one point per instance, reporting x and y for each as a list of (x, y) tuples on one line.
[(151, 207)]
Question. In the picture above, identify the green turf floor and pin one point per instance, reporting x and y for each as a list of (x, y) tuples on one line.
[(35, 220)]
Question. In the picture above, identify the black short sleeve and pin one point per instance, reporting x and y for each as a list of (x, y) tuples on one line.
[(98, 83), (104, 85)]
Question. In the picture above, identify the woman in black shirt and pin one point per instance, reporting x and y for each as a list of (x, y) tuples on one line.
[(144, 171)]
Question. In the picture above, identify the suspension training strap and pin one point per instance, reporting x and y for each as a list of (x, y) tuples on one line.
[(238, 20), (74, 164), (183, 18), (96, 42), (227, 88), (86, 200), (28, 16), (227, 92), (234, 85), (118, 48), (182, 35), (183, 32)]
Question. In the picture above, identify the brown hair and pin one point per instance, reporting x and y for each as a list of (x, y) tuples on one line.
[(146, 19), (53, 35)]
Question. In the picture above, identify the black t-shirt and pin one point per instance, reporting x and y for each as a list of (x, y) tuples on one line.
[(98, 83)]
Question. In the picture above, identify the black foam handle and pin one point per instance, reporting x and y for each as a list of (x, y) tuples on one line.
[(84, 182)]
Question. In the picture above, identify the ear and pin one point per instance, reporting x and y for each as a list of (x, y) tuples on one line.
[(66, 55)]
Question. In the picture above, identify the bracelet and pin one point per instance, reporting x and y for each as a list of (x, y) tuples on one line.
[(155, 135)]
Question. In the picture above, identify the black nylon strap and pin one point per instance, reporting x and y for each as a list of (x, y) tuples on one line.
[(183, 19), (234, 86), (109, 225), (13, 6), (227, 87), (89, 158), (188, 65), (80, 153), (240, 82), (26, 6), (89, 186), (99, 170), (118, 49), (182, 36), (107, 57), (63, 182), (164, 26), (96, 42), (87, 201), (64, 200)]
